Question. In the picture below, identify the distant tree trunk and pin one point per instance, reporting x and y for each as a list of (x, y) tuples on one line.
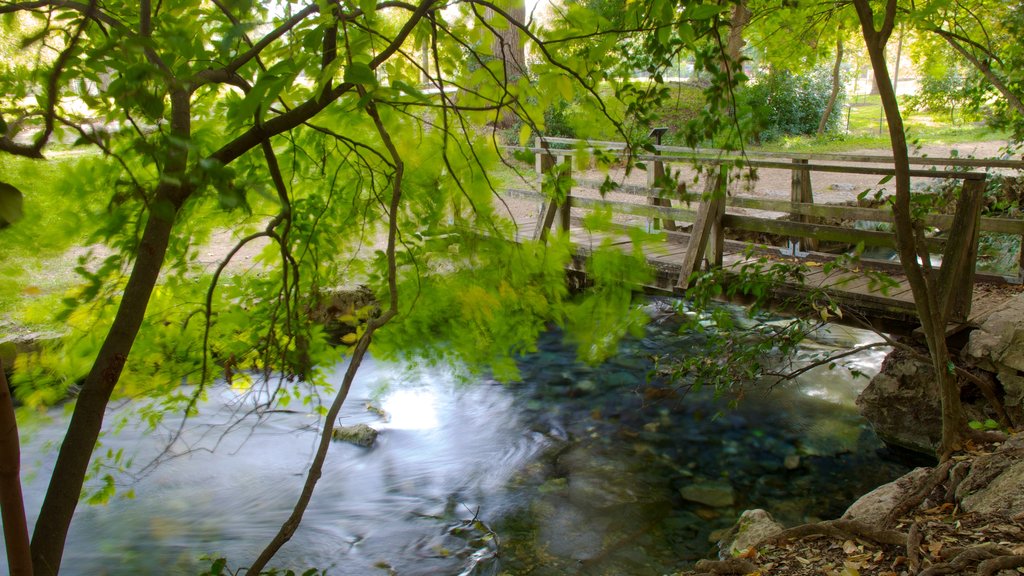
[(1012, 99), (740, 18), (508, 47), (836, 69), (12, 505), (931, 296)]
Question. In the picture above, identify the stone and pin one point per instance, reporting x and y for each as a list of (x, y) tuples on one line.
[(359, 435), (709, 493), (998, 346), (995, 482), (902, 403), (792, 462), (753, 527), (874, 506)]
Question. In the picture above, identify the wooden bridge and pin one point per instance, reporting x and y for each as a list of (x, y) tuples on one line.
[(723, 229)]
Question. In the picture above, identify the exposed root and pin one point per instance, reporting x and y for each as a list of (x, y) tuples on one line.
[(956, 476), (914, 538), (843, 529), (914, 499), (726, 567), (992, 566), (966, 557), (984, 436)]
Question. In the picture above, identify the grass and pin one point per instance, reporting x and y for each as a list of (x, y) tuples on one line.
[(861, 128), (31, 250)]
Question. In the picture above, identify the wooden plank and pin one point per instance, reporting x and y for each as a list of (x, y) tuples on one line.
[(709, 213), (819, 231), (636, 209), (834, 157), (956, 277)]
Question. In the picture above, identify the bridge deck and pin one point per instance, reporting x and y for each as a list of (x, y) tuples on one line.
[(891, 308)]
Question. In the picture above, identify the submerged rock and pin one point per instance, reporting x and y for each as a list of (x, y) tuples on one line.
[(709, 493), (360, 435)]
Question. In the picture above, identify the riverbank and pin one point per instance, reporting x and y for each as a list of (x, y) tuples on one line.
[(965, 516)]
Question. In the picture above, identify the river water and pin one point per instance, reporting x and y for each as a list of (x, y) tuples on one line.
[(575, 470)]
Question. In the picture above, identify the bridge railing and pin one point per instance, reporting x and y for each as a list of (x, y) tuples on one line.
[(807, 224)]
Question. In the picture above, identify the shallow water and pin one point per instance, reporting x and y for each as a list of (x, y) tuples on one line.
[(576, 469)]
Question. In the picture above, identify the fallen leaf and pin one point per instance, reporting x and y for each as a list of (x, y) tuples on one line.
[(748, 553), (850, 547)]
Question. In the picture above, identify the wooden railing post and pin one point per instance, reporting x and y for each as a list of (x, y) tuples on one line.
[(707, 237), (801, 193), (565, 210), (655, 178), (544, 163), (961, 253)]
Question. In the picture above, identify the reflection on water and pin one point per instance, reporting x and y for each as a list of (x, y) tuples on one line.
[(577, 469)]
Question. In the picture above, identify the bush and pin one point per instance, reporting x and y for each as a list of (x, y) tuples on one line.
[(789, 105)]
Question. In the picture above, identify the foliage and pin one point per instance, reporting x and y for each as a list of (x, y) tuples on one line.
[(338, 143), (785, 104)]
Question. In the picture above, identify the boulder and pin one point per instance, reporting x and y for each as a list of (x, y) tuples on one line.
[(359, 435), (902, 403), (714, 494), (995, 482), (873, 507), (998, 346), (752, 527)]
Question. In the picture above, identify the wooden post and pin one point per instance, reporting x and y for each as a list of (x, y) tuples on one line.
[(565, 210), (801, 193), (656, 176), (956, 276), (544, 163), (706, 238)]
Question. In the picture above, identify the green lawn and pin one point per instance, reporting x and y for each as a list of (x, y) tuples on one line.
[(863, 126)]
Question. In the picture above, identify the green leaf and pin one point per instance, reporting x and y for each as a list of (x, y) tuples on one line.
[(11, 204), (885, 179), (704, 11), (975, 425), (360, 73)]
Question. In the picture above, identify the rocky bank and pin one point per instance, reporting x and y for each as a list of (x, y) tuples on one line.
[(965, 516)]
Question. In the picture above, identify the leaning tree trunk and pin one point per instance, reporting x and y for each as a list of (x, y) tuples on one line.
[(983, 66), (834, 95), (72, 464), (930, 299), (12, 505)]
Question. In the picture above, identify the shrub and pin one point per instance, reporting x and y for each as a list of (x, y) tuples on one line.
[(785, 104)]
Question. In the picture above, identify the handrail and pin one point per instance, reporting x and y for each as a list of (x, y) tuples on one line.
[(702, 153)]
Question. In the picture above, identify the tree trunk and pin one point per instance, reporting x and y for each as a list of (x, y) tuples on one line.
[(926, 293), (12, 505), (740, 18), (834, 95), (508, 47), (1012, 99), (72, 464)]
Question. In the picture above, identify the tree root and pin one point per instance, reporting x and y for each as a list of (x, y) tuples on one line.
[(844, 529), (956, 476), (914, 538), (725, 567), (968, 556), (992, 566), (937, 477)]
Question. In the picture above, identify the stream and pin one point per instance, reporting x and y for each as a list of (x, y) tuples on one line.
[(576, 469)]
